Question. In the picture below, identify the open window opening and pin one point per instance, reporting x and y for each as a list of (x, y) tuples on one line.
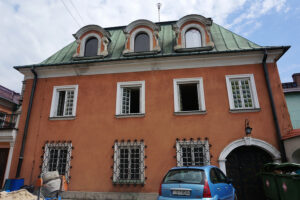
[(131, 100), (189, 97)]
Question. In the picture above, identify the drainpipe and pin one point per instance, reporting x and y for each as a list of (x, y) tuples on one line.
[(21, 157), (278, 132)]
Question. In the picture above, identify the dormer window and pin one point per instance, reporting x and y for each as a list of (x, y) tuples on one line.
[(193, 34), (92, 41), (91, 47), (141, 38), (142, 43), (193, 38)]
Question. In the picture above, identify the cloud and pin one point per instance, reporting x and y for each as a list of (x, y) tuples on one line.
[(33, 30)]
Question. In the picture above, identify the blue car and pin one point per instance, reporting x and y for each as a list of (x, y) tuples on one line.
[(207, 182)]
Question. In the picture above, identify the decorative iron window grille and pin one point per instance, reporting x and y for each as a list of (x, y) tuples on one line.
[(129, 162), (192, 153), (57, 157)]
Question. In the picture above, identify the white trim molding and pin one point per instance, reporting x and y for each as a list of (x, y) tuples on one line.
[(254, 97), (130, 84), (55, 97), (85, 39), (200, 91), (248, 141)]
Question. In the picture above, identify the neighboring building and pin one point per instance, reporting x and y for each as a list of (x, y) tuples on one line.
[(117, 108), (292, 96), (9, 104)]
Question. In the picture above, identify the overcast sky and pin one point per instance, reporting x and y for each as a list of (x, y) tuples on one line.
[(32, 30)]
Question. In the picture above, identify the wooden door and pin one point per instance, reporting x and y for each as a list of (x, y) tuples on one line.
[(3, 160), (243, 165)]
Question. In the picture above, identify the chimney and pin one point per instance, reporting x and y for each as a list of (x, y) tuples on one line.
[(296, 78)]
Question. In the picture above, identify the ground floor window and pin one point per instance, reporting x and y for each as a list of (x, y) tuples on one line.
[(57, 157), (129, 162), (192, 152)]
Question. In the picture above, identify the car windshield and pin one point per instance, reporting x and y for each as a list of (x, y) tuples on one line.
[(195, 176)]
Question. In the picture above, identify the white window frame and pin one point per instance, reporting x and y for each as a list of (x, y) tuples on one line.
[(85, 39), (116, 172), (252, 89), (200, 91), (46, 157), (192, 143), (193, 26), (55, 96), (131, 84)]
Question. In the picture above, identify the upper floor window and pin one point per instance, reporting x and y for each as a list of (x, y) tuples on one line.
[(142, 42), (242, 92), (91, 47), (193, 38), (130, 98), (188, 95), (64, 101)]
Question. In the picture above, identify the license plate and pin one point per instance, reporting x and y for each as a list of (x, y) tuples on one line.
[(181, 192)]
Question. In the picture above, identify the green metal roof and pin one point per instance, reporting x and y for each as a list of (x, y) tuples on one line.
[(224, 40)]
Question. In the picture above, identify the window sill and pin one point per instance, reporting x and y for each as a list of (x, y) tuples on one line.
[(130, 115), (63, 118), (194, 112), (144, 53), (244, 110), (140, 182), (88, 57), (206, 48)]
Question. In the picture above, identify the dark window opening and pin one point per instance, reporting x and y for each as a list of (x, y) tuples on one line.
[(135, 100), (131, 100), (61, 103), (189, 97), (141, 43), (91, 47)]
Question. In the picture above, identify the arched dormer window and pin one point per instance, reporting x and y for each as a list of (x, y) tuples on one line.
[(92, 41), (192, 33), (142, 38), (142, 42), (193, 38), (91, 47)]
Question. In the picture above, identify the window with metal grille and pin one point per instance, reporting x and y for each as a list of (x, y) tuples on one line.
[(188, 95), (57, 157), (128, 163), (242, 92), (192, 153), (193, 38), (64, 101), (130, 98)]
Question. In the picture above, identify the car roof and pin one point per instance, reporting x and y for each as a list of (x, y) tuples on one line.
[(194, 167)]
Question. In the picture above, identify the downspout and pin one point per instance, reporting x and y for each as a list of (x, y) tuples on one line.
[(27, 123), (278, 132)]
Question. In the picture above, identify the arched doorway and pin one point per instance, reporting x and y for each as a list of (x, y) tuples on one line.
[(243, 165)]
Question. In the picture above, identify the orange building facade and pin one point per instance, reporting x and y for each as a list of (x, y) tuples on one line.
[(119, 125)]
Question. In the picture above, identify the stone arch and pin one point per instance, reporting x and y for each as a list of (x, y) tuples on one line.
[(248, 141)]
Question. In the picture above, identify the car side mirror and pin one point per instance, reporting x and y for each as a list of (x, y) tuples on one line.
[(229, 180)]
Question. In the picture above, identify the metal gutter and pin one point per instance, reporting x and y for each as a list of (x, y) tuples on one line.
[(285, 48), (21, 156), (278, 132)]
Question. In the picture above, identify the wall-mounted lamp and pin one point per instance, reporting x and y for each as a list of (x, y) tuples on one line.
[(248, 129)]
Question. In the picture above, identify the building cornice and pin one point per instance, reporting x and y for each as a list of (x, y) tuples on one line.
[(153, 64)]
